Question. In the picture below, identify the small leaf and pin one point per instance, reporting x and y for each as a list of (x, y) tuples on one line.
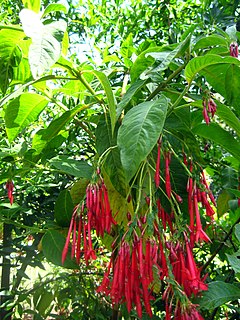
[(218, 294), (52, 244), (63, 208), (237, 231), (222, 202), (22, 111), (139, 132), (76, 168), (44, 302), (53, 7)]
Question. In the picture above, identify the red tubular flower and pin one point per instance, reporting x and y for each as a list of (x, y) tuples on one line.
[(205, 113), (157, 172), (10, 187), (200, 234), (212, 107), (167, 174)]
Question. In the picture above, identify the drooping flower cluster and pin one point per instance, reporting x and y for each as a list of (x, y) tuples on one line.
[(10, 187), (94, 215), (151, 248), (132, 270), (234, 49), (209, 109)]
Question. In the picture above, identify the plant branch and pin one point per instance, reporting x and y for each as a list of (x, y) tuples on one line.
[(165, 83), (220, 246)]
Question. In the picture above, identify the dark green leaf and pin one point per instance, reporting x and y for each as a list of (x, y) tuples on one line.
[(225, 113), (63, 208), (234, 261), (237, 231), (52, 244), (217, 134), (222, 202), (218, 294), (139, 132), (76, 168)]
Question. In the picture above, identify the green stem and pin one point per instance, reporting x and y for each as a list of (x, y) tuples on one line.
[(165, 83), (89, 88), (181, 162), (140, 187)]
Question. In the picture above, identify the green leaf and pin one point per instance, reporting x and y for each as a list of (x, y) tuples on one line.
[(22, 111), (212, 40), (199, 63), (218, 294), (108, 90), (52, 244), (32, 5), (10, 55), (53, 7), (225, 113), (45, 49), (166, 57), (78, 190), (223, 138), (76, 168), (234, 261), (237, 231), (132, 90), (139, 132), (44, 137), (44, 302), (222, 202), (112, 163), (63, 208)]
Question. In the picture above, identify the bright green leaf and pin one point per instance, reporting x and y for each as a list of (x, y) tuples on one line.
[(139, 132), (45, 49), (22, 111), (225, 113), (222, 202), (44, 302), (32, 5), (212, 40), (53, 7)]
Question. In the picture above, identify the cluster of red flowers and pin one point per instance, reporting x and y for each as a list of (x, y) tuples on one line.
[(141, 258), (209, 108), (10, 187), (98, 217), (132, 269)]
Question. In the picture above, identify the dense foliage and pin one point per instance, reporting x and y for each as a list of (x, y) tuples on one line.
[(119, 157)]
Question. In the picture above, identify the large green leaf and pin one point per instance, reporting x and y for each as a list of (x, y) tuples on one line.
[(218, 294), (45, 49), (212, 40), (10, 55), (234, 261), (108, 90), (112, 163), (199, 63), (44, 136), (139, 132), (76, 168), (22, 111), (52, 245), (63, 208), (217, 134)]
